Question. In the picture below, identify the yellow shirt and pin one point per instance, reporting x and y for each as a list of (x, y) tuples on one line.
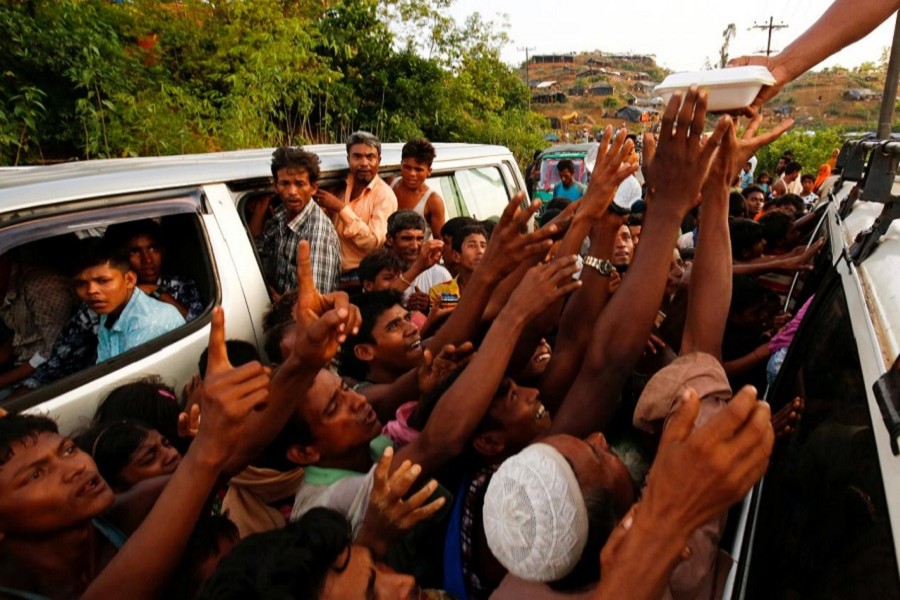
[(447, 292), (362, 224)]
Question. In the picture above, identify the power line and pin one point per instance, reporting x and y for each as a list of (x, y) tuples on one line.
[(771, 26)]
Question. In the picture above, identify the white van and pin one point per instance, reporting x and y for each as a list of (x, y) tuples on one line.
[(825, 520), (199, 202)]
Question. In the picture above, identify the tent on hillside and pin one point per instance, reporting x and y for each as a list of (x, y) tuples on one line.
[(635, 114)]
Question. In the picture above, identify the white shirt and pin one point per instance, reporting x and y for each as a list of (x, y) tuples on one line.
[(428, 279)]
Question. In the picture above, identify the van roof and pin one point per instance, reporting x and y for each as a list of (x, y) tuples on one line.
[(26, 188)]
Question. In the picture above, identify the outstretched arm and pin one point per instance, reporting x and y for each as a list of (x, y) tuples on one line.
[(845, 22), (675, 173), (710, 286), (461, 408), (508, 248)]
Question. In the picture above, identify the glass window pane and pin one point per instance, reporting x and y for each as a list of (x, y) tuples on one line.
[(823, 529)]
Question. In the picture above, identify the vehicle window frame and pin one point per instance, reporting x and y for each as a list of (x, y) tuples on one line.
[(50, 221)]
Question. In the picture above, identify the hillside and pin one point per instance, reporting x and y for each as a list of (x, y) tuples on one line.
[(816, 100)]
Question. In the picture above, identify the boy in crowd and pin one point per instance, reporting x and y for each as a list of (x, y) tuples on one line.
[(412, 191), (807, 193), (567, 186), (107, 283), (469, 244), (447, 232), (296, 175), (755, 199), (379, 270)]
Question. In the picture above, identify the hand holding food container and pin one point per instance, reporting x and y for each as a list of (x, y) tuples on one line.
[(729, 89)]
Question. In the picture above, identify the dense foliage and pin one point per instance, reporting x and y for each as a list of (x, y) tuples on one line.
[(94, 78)]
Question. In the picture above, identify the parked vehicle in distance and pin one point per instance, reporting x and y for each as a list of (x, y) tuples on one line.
[(201, 203), (550, 157)]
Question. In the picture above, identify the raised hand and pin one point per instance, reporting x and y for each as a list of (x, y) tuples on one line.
[(699, 473), (609, 171), (778, 70), (677, 165), (229, 395), (323, 320), (510, 245), (388, 514), (543, 285), (435, 369), (430, 254)]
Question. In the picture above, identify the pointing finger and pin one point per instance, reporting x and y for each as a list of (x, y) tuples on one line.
[(218, 353)]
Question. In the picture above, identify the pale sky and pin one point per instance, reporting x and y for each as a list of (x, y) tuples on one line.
[(681, 33)]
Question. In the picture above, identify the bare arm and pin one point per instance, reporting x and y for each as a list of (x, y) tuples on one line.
[(257, 219), (845, 22), (675, 173), (697, 474), (461, 408)]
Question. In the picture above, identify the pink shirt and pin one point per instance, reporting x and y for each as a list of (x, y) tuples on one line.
[(362, 224)]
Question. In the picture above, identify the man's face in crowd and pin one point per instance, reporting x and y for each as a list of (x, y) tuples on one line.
[(294, 189), (567, 177), (623, 249), (363, 160), (383, 281), (154, 457), (791, 177), (397, 347), (414, 173), (407, 244), (472, 251), (339, 419), (104, 288), (146, 257), (781, 164), (755, 201), (522, 418), (359, 577), (596, 467), (47, 485)]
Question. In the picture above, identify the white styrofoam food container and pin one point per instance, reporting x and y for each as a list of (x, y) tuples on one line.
[(729, 89)]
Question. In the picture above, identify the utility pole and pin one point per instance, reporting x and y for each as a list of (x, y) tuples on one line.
[(527, 49), (770, 27)]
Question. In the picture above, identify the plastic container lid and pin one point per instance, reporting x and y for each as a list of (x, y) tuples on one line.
[(729, 89)]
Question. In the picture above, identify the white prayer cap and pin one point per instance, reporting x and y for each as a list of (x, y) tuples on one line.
[(534, 515)]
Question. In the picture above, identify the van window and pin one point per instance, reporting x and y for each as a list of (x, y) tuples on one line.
[(483, 191), (822, 528), (57, 337)]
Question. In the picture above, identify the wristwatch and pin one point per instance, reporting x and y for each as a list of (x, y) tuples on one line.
[(602, 266)]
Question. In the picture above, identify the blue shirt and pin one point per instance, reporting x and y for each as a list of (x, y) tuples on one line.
[(142, 320), (573, 192)]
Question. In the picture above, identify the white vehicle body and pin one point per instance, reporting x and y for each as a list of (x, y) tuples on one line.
[(202, 197)]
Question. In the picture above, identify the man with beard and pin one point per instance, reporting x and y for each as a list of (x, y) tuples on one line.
[(360, 214)]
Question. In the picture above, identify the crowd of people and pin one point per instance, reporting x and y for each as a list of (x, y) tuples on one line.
[(555, 407)]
